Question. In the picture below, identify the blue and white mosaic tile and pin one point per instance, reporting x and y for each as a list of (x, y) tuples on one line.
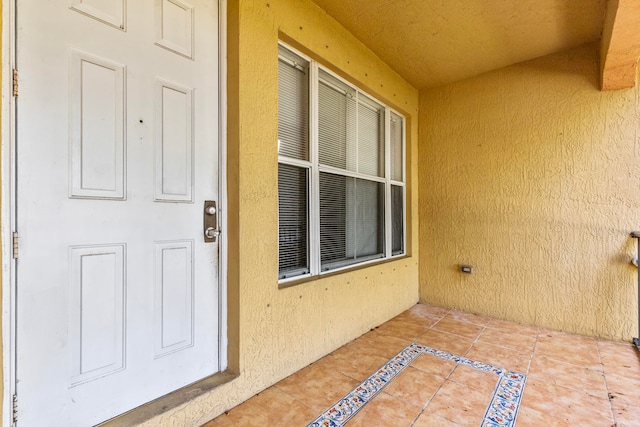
[(502, 409)]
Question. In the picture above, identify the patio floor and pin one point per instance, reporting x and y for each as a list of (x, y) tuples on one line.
[(434, 366)]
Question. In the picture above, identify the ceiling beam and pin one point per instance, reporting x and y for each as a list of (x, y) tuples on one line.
[(620, 45)]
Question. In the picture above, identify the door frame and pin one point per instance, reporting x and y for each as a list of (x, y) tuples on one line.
[(8, 226)]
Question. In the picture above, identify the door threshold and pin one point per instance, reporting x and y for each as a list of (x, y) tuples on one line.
[(172, 400)]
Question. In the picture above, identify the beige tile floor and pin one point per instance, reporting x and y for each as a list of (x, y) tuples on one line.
[(572, 380)]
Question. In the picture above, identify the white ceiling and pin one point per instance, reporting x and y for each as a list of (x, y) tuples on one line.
[(435, 42)]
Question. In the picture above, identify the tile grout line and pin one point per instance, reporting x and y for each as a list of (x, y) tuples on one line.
[(533, 352), (477, 340), (497, 387), (422, 411), (293, 397), (428, 401), (606, 385)]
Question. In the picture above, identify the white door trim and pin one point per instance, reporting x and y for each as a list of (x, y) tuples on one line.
[(7, 200), (222, 183), (7, 210)]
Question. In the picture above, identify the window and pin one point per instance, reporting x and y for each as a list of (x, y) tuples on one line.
[(341, 179)]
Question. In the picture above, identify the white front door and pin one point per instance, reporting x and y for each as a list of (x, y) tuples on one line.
[(117, 296)]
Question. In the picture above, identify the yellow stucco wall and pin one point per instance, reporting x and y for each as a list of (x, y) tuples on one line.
[(532, 175), (276, 332)]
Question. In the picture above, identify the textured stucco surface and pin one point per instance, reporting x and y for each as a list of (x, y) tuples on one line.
[(531, 175), (433, 43), (281, 331)]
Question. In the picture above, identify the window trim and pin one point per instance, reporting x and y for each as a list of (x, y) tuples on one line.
[(315, 168)]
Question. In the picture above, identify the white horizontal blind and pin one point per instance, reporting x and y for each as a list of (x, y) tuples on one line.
[(396, 141), (293, 107), (333, 211), (397, 220), (336, 123), (293, 179), (351, 220), (369, 219), (370, 137), (293, 227)]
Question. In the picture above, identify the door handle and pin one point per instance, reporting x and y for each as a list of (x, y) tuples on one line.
[(210, 221), (211, 233)]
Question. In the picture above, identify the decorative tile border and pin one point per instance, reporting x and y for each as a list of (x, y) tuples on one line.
[(502, 409)]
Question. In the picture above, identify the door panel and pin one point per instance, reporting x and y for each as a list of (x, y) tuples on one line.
[(97, 121), (174, 296), (174, 144), (110, 12), (96, 311), (117, 292)]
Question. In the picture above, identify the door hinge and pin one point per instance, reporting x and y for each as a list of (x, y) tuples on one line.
[(14, 408), (15, 245), (15, 82)]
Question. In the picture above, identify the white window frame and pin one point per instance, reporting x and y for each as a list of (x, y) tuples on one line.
[(315, 168)]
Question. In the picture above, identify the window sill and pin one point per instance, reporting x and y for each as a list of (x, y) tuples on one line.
[(288, 283)]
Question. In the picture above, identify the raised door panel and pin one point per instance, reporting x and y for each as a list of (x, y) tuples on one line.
[(96, 308), (112, 12), (174, 26), (173, 296), (97, 154), (173, 143)]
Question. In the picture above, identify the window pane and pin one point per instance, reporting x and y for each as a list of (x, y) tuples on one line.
[(369, 219), (293, 250), (396, 147), (336, 123), (333, 211), (397, 220), (370, 138), (351, 220), (293, 109)]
